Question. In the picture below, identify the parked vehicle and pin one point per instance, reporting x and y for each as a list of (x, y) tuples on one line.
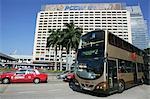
[(23, 75), (70, 77), (63, 75)]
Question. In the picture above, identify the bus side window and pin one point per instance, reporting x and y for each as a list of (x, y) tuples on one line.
[(121, 68), (140, 67)]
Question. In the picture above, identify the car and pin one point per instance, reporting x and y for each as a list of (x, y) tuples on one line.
[(66, 75), (23, 75), (62, 75), (70, 77)]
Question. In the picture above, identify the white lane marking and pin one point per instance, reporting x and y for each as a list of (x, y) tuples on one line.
[(38, 91), (27, 92)]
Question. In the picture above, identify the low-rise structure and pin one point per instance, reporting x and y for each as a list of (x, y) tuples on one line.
[(23, 58), (6, 58)]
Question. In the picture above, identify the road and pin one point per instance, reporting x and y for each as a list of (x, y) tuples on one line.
[(61, 90)]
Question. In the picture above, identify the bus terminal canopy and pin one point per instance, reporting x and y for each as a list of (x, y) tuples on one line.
[(6, 57)]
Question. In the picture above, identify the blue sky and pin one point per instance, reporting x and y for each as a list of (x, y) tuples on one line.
[(18, 21)]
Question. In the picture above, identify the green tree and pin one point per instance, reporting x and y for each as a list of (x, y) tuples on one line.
[(71, 39), (53, 40)]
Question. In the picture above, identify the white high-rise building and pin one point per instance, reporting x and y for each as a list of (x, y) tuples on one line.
[(111, 16)]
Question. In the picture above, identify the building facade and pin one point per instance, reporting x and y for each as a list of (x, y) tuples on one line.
[(139, 27), (6, 58), (23, 58), (107, 16)]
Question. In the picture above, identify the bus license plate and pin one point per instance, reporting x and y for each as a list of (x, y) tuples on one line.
[(85, 88)]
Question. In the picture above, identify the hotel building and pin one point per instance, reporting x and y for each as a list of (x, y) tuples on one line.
[(110, 16)]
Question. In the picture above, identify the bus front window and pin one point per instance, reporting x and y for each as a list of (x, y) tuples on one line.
[(90, 62)]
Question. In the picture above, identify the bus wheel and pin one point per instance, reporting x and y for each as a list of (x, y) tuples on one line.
[(121, 86)]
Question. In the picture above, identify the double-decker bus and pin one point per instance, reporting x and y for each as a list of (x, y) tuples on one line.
[(107, 64)]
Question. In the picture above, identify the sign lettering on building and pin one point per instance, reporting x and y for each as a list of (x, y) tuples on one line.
[(68, 7)]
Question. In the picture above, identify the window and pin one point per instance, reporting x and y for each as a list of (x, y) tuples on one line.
[(21, 72), (47, 55), (46, 59), (119, 42), (112, 39), (42, 58), (36, 58), (140, 67), (31, 71), (129, 66), (125, 66), (121, 66)]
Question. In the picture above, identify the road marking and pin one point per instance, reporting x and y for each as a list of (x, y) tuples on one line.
[(37, 91), (23, 92), (3, 88), (55, 90), (26, 92)]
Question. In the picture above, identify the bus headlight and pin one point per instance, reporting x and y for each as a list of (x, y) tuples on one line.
[(102, 86)]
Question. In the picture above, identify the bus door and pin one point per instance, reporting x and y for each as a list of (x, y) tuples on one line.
[(135, 73), (112, 74)]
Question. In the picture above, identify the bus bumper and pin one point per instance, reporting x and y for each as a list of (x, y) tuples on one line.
[(101, 92)]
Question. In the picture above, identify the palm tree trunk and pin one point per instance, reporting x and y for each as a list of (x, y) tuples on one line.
[(67, 61), (61, 48), (70, 59), (55, 60)]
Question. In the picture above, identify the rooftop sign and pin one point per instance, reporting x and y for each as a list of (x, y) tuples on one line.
[(99, 6)]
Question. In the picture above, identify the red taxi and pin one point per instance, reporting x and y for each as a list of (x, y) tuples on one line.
[(23, 75)]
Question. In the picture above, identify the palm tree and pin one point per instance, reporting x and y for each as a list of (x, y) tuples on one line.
[(68, 38), (53, 41), (71, 39)]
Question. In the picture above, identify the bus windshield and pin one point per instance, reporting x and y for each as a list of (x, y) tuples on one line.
[(91, 52), (90, 56)]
